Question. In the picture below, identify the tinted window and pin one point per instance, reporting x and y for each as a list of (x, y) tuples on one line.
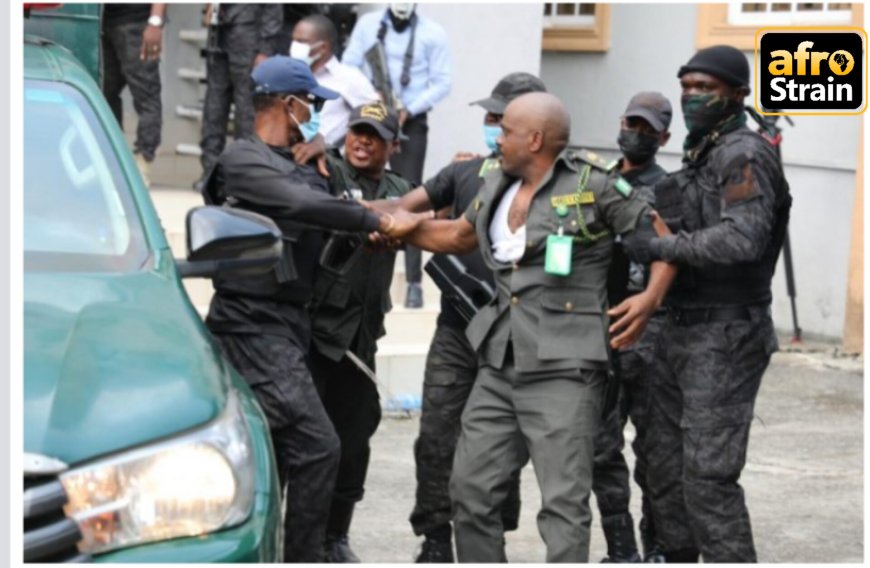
[(78, 211)]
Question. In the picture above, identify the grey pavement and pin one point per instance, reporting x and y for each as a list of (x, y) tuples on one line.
[(803, 479)]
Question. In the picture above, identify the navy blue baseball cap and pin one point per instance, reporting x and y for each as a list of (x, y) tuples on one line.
[(282, 74)]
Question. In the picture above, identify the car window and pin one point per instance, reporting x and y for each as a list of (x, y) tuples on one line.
[(79, 214)]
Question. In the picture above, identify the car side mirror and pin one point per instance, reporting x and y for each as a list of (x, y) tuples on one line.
[(221, 240)]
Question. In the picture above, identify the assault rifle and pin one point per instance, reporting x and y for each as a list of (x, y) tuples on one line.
[(768, 128), (376, 57)]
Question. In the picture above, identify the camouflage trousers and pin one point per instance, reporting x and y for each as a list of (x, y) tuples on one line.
[(706, 378), (451, 367), (229, 60), (306, 446), (610, 475), (122, 67)]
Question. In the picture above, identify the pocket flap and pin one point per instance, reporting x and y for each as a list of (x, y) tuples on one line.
[(571, 300)]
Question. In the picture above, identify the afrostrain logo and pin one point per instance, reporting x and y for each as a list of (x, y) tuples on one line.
[(376, 111), (811, 71)]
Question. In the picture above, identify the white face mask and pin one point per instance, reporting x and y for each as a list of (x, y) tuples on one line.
[(402, 11), (302, 51)]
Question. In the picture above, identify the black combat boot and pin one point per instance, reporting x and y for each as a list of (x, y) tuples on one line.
[(682, 556), (652, 553), (438, 546), (337, 550), (619, 533), (436, 551)]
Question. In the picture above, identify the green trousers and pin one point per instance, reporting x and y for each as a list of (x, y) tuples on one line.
[(509, 419)]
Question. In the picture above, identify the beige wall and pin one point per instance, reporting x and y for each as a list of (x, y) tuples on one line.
[(853, 330)]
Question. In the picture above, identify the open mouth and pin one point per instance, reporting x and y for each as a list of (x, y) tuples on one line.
[(361, 153)]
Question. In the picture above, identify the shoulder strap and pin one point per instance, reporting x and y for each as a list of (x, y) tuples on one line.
[(593, 159)]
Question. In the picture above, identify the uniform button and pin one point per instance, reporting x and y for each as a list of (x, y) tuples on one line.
[(516, 266), (569, 306), (515, 300), (530, 244), (574, 223)]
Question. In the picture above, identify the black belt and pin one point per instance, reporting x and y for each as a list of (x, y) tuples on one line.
[(695, 316)]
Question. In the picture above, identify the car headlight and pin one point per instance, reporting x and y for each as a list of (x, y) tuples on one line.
[(193, 484)]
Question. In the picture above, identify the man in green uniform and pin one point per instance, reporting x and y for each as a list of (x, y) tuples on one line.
[(545, 224), (351, 298)]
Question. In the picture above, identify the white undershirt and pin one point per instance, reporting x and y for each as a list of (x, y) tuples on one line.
[(507, 246)]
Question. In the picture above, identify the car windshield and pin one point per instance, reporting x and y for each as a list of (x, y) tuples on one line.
[(79, 214)]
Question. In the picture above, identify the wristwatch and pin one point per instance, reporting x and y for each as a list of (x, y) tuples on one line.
[(155, 21)]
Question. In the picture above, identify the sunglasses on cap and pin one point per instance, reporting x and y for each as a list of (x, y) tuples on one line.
[(309, 100)]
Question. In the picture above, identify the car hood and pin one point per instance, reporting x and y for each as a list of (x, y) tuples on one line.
[(113, 361)]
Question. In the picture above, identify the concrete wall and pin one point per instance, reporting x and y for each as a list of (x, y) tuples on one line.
[(649, 43)]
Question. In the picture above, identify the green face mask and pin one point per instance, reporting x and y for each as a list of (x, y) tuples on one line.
[(708, 113), (703, 113)]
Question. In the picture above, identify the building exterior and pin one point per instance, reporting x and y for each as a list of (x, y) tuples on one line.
[(595, 56)]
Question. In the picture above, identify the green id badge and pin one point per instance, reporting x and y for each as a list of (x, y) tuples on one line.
[(558, 259)]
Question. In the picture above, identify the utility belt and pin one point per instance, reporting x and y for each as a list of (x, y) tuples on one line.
[(694, 316)]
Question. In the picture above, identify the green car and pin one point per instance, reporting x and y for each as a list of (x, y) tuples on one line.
[(141, 443)]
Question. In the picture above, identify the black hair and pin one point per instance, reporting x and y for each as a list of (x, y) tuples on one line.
[(324, 29)]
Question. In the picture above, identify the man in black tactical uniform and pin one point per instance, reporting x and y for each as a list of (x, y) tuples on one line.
[(261, 322), (351, 298), (728, 208), (643, 130), (451, 365), (132, 44), (239, 37)]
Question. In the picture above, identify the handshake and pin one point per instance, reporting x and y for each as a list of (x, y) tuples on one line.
[(394, 223)]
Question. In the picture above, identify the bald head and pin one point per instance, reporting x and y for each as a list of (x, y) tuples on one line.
[(542, 112)]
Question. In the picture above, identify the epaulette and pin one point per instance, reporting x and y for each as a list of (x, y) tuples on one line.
[(592, 159), (488, 165)]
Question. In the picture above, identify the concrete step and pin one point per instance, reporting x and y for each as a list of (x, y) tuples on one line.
[(400, 369), (190, 74), (197, 37), (407, 327), (188, 149)]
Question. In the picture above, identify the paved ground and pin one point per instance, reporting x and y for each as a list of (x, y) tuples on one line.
[(803, 480)]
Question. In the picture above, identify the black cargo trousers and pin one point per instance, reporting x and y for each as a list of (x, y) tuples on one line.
[(229, 59), (307, 448), (122, 66), (610, 477)]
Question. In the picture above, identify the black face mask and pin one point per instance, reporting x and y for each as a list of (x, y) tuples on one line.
[(398, 24), (637, 147)]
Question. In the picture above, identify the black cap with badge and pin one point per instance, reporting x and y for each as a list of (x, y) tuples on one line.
[(378, 116), (651, 106), (510, 87)]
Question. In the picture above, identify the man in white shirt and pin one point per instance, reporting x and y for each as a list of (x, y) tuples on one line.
[(314, 38)]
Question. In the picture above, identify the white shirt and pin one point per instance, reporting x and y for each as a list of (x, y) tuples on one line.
[(507, 246), (355, 90)]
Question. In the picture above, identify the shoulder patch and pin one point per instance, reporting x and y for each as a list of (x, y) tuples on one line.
[(622, 186), (592, 159)]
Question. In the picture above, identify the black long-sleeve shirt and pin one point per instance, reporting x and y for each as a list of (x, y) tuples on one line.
[(264, 179)]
